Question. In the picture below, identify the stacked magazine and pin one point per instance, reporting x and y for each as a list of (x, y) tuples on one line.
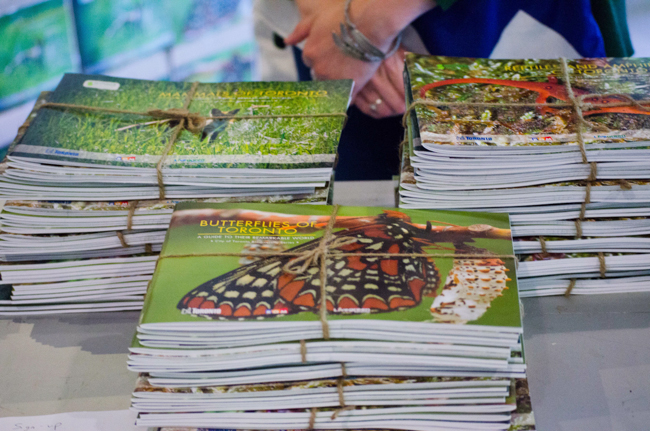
[(81, 256), (68, 255), (103, 139), (75, 286), (269, 316), (505, 136)]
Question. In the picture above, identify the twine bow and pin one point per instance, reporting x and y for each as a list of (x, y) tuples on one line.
[(300, 264), (194, 122)]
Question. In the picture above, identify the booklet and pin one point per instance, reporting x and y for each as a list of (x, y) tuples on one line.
[(90, 285), (421, 308), (186, 294), (573, 264), (263, 142), (201, 304), (72, 136), (471, 86)]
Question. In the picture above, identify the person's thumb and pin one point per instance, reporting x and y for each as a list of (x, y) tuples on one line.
[(299, 33)]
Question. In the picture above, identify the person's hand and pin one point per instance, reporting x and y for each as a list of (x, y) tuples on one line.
[(383, 95), (380, 21), (319, 20)]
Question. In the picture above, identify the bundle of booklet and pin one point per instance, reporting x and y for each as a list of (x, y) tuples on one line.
[(78, 256), (100, 138), (561, 145), (266, 316), (63, 257)]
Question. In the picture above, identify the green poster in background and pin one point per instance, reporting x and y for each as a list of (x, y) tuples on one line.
[(37, 47), (112, 32)]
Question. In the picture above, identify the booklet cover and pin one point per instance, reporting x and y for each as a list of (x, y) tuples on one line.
[(470, 80), (478, 289), (73, 136)]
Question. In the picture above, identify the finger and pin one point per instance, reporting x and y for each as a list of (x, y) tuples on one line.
[(390, 97), (373, 104), (300, 33), (310, 64), (394, 71), (361, 102)]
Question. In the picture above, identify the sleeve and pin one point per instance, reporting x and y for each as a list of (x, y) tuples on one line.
[(612, 21)]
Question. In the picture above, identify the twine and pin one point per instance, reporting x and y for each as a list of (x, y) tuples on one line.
[(586, 201), (312, 418), (603, 274), (310, 257), (129, 218), (572, 284), (577, 106), (632, 102), (578, 224), (380, 254), (340, 383), (23, 128), (185, 121), (120, 236), (542, 243), (129, 227), (625, 184), (339, 386), (603, 266), (303, 351), (191, 121)]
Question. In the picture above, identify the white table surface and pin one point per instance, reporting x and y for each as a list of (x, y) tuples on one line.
[(588, 356)]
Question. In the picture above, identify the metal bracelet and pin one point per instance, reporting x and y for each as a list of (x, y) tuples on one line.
[(355, 44)]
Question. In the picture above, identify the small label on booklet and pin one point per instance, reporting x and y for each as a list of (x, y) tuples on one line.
[(102, 85)]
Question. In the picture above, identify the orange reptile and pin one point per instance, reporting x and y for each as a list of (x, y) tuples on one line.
[(545, 90)]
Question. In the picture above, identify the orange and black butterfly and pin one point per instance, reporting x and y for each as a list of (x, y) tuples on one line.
[(367, 284)]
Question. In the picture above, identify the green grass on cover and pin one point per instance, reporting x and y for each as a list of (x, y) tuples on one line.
[(98, 132)]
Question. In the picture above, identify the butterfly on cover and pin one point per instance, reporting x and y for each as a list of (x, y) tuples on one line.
[(355, 284)]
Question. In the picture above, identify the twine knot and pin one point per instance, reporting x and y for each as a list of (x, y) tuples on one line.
[(311, 257), (194, 122)]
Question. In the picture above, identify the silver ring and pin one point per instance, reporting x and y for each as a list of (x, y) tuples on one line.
[(374, 106)]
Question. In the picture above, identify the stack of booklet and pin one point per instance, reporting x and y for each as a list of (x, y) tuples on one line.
[(75, 286), (39, 237), (90, 178), (103, 139), (266, 316), (507, 136)]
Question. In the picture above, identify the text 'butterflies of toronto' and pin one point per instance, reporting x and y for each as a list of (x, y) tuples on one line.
[(355, 284)]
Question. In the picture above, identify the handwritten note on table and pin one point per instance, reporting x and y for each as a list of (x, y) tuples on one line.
[(120, 420)]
